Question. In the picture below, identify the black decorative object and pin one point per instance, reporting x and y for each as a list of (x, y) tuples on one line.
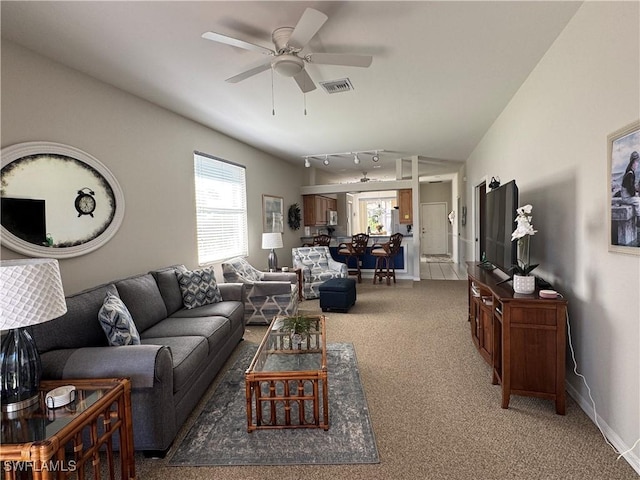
[(294, 217), (85, 202), (495, 183)]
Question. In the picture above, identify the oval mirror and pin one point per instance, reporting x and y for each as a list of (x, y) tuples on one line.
[(57, 201)]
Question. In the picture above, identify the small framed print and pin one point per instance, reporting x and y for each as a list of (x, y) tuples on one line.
[(624, 189), (272, 214)]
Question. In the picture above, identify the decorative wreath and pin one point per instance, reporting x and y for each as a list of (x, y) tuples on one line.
[(294, 217)]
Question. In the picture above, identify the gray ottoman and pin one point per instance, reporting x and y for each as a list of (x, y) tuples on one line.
[(338, 294)]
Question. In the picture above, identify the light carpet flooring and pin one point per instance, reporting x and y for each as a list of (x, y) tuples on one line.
[(434, 411)]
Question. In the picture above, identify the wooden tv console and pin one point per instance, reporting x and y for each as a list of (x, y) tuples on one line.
[(522, 337)]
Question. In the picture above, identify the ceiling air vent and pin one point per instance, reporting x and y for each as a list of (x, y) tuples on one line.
[(337, 86)]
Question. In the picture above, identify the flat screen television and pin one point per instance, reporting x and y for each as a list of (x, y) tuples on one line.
[(25, 218), (500, 216)]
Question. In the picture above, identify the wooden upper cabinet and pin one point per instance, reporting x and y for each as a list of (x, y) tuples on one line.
[(315, 209), (405, 202)]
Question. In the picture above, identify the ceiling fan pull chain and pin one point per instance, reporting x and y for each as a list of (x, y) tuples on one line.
[(273, 104), (304, 95)]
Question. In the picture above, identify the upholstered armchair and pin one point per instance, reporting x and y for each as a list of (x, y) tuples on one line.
[(267, 293), (317, 266)]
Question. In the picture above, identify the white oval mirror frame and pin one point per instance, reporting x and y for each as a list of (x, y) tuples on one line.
[(15, 153)]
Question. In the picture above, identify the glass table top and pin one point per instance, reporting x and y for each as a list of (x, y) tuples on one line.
[(282, 350)]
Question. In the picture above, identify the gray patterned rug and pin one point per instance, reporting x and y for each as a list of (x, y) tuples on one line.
[(219, 435)]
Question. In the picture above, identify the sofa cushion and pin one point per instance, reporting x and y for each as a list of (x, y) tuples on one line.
[(214, 329), (141, 296), (232, 310), (198, 287), (189, 355), (169, 288), (77, 328), (117, 323)]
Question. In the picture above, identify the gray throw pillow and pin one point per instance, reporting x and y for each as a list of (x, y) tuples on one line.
[(117, 323), (198, 287)]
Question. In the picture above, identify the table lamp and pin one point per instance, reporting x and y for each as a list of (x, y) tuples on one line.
[(271, 241), (30, 293)]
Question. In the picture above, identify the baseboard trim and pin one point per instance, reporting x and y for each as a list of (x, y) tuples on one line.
[(585, 404)]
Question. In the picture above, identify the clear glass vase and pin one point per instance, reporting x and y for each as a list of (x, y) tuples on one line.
[(523, 251)]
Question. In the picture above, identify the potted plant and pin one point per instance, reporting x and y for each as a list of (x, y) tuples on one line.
[(523, 282), (299, 327)]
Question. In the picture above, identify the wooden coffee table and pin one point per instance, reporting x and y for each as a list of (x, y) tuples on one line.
[(286, 385), (52, 443)]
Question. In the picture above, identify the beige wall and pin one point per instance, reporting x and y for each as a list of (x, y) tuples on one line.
[(552, 139), (150, 152)]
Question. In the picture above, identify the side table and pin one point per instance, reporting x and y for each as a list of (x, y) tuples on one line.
[(52, 443)]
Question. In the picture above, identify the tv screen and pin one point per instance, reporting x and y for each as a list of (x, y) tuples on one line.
[(25, 218), (501, 206)]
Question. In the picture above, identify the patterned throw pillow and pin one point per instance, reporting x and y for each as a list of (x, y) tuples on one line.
[(117, 323), (198, 287)]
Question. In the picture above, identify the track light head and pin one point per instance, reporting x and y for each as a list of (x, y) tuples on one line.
[(307, 163), (375, 157), (356, 159), (326, 160)]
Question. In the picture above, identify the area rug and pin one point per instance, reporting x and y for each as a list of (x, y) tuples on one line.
[(219, 435), (436, 259)]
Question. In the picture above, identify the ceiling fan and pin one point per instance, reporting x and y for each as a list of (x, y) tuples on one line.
[(364, 178), (287, 57)]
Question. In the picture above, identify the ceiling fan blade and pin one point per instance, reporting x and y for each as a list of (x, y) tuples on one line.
[(234, 42), (308, 25), (304, 82), (340, 59), (249, 73)]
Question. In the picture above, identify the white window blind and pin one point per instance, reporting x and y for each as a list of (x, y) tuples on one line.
[(221, 209)]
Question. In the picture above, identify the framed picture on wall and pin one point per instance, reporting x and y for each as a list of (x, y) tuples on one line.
[(272, 214), (624, 189)]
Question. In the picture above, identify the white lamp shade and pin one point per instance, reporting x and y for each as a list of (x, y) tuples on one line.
[(30, 292), (271, 240)]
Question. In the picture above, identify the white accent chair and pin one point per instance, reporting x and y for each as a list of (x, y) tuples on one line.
[(317, 266), (267, 293)]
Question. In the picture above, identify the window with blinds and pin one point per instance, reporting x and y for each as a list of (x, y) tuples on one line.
[(221, 209)]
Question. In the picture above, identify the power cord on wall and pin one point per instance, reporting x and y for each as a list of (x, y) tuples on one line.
[(593, 403)]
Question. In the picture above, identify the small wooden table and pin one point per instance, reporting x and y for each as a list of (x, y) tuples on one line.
[(35, 440), (286, 384)]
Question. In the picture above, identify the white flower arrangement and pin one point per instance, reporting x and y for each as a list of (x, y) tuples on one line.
[(523, 231)]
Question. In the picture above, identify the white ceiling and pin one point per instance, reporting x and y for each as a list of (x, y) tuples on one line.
[(441, 73)]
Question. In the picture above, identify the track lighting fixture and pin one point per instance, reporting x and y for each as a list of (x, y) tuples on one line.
[(356, 155)]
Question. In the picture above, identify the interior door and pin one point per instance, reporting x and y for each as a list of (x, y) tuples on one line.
[(433, 233)]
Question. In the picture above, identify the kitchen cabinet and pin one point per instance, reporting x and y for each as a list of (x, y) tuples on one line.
[(405, 202), (315, 209)]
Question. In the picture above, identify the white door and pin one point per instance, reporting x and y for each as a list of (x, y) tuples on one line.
[(433, 233)]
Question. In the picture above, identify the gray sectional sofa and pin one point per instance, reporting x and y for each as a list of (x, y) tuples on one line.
[(181, 350)]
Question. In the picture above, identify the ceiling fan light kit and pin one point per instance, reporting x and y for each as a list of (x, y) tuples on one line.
[(288, 65)]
